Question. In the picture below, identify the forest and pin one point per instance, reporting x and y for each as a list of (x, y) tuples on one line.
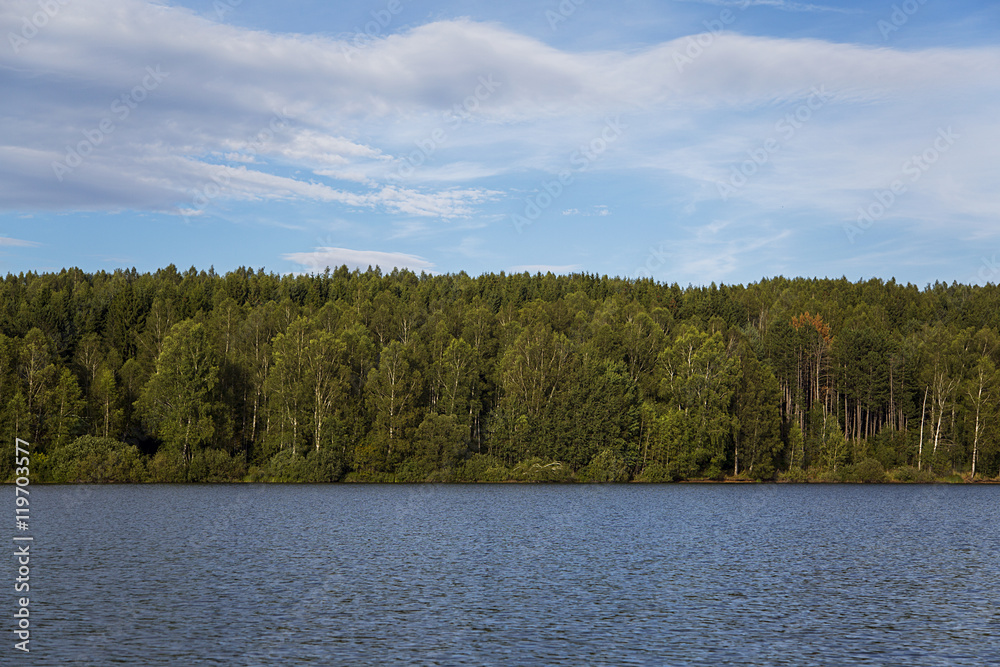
[(365, 376)]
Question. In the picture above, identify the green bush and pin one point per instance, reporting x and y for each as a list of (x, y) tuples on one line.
[(867, 471), (215, 465), (793, 475), (285, 467), (326, 465), (828, 476), (910, 474), (656, 473), (537, 469), (606, 466), (411, 471), (359, 477), (167, 466), (93, 460), (482, 468)]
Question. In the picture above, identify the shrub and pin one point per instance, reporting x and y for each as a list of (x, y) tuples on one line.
[(482, 468), (606, 466), (538, 470), (215, 465), (95, 460), (794, 475), (167, 466), (910, 474), (326, 465), (414, 471), (285, 467), (656, 473), (868, 471)]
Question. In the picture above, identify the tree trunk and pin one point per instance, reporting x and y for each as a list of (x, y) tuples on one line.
[(975, 439), (920, 447)]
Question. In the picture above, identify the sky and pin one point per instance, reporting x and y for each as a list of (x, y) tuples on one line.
[(692, 141)]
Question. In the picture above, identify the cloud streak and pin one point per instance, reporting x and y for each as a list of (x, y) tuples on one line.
[(320, 259)]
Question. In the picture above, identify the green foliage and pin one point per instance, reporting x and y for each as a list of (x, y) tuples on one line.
[(94, 460), (868, 471), (440, 442), (168, 466), (536, 469), (607, 466), (215, 465), (353, 375), (657, 473), (910, 474), (179, 401), (793, 475), (482, 468)]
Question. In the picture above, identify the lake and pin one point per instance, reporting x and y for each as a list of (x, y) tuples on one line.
[(515, 574)]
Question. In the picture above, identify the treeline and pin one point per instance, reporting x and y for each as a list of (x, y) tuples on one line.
[(366, 376)]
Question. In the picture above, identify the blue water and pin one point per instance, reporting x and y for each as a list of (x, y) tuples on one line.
[(515, 575)]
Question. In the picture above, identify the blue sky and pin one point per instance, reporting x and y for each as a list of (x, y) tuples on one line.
[(692, 141)]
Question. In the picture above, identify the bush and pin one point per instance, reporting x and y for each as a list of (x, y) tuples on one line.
[(793, 475), (910, 474), (360, 477), (537, 470), (93, 460), (866, 471), (657, 473), (215, 465), (606, 466), (482, 468), (760, 472), (828, 475), (411, 471), (326, 465), (284, 467), (168, 466)]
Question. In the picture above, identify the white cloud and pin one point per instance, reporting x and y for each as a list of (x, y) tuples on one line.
[(352, 123), (319, 259), (598, 210), (7, 241), (783, 5)]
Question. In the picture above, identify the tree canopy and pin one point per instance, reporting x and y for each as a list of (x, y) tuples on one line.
[(363, 375)]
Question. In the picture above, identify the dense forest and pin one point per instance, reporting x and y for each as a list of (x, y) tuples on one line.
[(365, 376)]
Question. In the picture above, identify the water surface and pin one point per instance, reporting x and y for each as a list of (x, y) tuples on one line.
[(516, 574)]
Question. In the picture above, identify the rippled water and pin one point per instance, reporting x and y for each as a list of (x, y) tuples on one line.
[(516, 575)]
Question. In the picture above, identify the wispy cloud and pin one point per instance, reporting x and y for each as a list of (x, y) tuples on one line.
[(319, 259), (783, 5), (168, 148), (7, 241)]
